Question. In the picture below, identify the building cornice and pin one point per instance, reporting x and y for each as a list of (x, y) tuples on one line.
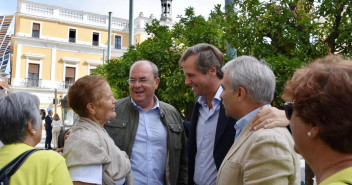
[(71, 60), (94, 62), (68, 22), (34, 56)]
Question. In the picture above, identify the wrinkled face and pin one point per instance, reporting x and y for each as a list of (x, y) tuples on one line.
[(105, 107), (143, 84), (195, 78), (228, 97), (299, 133)]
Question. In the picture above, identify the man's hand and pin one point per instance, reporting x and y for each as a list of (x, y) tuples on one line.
[(60, 150), (269, 117)]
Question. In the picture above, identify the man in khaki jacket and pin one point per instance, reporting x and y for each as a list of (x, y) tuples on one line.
[(265, 156)]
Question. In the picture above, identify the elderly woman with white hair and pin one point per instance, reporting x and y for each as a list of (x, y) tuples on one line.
[(21, 131)]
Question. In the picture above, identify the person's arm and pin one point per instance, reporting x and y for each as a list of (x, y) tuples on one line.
[(270, 161), (183, 168), (269, 117), (81, 183)]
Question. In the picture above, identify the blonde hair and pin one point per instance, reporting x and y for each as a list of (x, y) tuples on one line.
[(56, 117)]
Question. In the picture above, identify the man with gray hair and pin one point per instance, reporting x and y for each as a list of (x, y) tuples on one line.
[(211, 132), (149, 131), (265, 156)]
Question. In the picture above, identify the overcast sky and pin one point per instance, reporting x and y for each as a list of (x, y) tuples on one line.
[(120, 8)]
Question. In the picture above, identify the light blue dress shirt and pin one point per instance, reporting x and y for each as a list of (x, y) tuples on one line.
[(241, 123), (149, 151), (205, 169)]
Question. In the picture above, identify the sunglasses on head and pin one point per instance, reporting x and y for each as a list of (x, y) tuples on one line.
[(288, 109)]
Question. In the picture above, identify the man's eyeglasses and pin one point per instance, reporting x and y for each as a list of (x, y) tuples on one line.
[(288, 109), (133, 81)]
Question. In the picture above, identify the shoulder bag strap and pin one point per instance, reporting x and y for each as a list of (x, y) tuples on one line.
[(12, 167)]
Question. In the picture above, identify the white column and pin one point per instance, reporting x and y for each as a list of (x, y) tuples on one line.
[(53, 62), (18, 60)]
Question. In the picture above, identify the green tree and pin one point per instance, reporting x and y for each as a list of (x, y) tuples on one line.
[(285, 33), (288, 33)]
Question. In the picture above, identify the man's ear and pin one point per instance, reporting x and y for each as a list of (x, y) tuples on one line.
[(241, 93), (157, 81), (212, 70)]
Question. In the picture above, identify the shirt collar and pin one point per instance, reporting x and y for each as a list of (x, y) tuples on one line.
[(155, 106), (241, 123), (201, 100)]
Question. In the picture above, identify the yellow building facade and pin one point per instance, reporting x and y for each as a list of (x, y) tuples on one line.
[(52, 47)]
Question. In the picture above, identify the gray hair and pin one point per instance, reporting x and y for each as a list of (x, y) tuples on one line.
[(256, 77), (16, 110), (206, 56), (154, 67)]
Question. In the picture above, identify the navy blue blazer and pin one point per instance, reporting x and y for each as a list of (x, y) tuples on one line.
[(48, 121), (224, 138)]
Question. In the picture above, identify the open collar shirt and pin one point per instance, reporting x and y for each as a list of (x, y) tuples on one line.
[(149, 151), (241, 123), (205, 169)]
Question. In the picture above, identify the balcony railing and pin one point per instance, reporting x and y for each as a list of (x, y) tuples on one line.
[(71, 39), (95, 43), (29, 82), (35, 34), (68, 84)]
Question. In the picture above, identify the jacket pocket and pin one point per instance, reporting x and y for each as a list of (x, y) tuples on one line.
[(116, 128), (119, 123), (176, 135)]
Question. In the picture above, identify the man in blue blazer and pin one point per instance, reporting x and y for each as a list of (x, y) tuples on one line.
[(211, 133), (48, 129)]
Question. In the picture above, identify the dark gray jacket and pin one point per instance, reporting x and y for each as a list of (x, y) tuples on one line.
[(123, 131)]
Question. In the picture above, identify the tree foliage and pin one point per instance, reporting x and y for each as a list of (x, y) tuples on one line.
[(285, 33)]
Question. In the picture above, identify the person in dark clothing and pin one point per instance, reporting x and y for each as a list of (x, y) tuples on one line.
[(48, 129)]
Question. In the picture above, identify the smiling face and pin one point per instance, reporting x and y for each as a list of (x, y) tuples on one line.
[(143, 84), (105, 106), (199, 81)]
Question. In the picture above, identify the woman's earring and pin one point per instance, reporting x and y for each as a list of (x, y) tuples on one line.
[(309, 134)]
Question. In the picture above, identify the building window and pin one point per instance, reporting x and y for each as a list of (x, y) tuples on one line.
[(33, 75), (69, 77), (117, 42), (95, 39), (72, 35), (35, 30)]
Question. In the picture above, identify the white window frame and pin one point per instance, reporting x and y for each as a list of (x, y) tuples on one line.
[(121, 40), (40, 28), (70, 60), (91, 41), (30, 56), (68, 34), (94, 63)]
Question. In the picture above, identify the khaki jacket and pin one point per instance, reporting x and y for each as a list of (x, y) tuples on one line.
[(263, 157)]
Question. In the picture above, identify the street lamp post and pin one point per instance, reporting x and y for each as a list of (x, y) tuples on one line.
[(131, 24), (231, 52)]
